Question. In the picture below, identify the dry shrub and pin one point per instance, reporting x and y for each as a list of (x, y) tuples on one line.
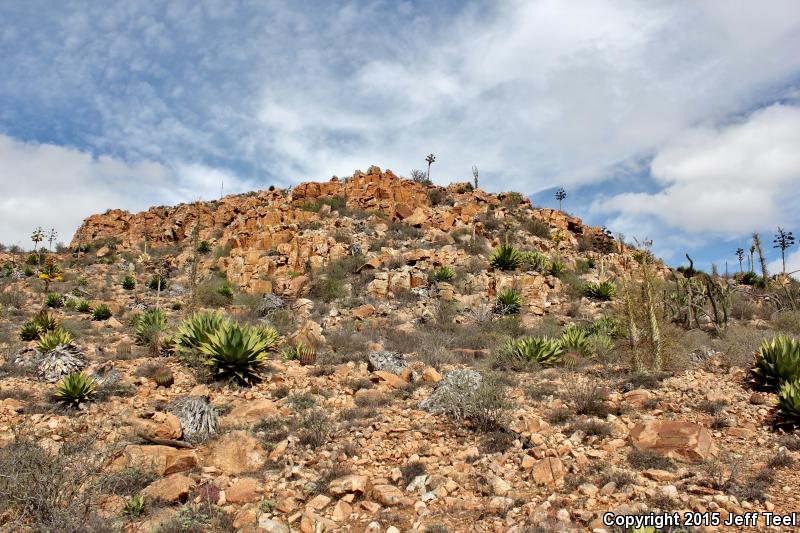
[(787, 322), (739, 344)]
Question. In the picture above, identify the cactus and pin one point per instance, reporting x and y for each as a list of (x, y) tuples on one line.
[(164, 377)]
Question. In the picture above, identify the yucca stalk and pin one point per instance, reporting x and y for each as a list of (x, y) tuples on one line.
[(652, 317), (761, 259)]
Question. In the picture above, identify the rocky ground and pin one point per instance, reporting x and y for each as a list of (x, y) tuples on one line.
[(379, 431)]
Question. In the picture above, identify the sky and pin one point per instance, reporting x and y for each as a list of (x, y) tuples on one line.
[(674, 121)]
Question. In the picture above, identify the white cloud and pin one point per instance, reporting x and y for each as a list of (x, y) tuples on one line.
[(55, 186), (729, 180)]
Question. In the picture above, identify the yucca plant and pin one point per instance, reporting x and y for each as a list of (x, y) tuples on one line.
[(50, 339), (508, 302), (83, 307), (306, 355), (601, 290), (101, 312), (789, 403), (129, 283), (196, 329), (506, 257), (542, 350), (75, 389), (29, 331), (777, 362), (235, 352), (149, 325), (443, 273), (575, 339)]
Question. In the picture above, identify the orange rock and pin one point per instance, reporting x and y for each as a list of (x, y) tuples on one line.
[(163, 459), (683, 441), (243, 490), (172, 488)]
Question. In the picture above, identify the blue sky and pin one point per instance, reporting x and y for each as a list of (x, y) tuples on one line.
[(678, 121)]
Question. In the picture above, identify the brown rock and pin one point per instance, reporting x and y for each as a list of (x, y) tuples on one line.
[(163, 459), (431, 375), (172, 488), (682, 441), (394, 381), (243, 490), (349, 483), (364, 311), (390, 495), (341, 511), (250, 412), (548, 471), (236, 452)]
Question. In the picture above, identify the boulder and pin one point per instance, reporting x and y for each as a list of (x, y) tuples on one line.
[(250, 412), (351, 483), (549, 471), (163, 459), (244, 490), (236, 452), (393, 362), (682, 441), (173, 488)]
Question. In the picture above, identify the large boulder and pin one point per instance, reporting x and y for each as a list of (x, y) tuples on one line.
[(682, 441), (236, 452), (163, 460)]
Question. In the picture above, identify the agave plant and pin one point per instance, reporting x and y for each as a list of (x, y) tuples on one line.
[(82, 306), (789, 402), (158, 282), (536, 261), (45, 321), (602, 290), (505, 258), (575, 339), (54, 300), (542, 350), (149, 325), (129, 283), (63, 360), (508, 302), (443, 273), (50, 339), (134, 506), (235, 352), (75, 389), (101, 312), (198, 418), (196, 330), (557, 268), (607, 325), (270, 335), (777, 362), (29, 331)]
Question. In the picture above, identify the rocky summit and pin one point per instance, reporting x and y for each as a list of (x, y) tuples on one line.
[(379, 354)]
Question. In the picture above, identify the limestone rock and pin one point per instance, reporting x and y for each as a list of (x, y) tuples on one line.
[(173, 488), (683, 441)]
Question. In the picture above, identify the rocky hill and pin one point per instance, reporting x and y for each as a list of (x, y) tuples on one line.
[(373, 354)]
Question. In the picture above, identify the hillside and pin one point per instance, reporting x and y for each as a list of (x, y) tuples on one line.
[(380, 355)]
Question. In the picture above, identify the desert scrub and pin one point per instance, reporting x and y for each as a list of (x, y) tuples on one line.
[(158, 282)]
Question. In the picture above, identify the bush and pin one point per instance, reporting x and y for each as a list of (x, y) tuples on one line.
[(154, 282), (508, 302), (777, 362), (47, 491), (329, 284), (602, 290), (204, 247), (101, 312), (536, 227), (314, 428), (75, 389), (787, 321), (443, 273), (505, 258), (50, 339), (54, 300), (557, 268), (215, 291), (535, 261), (235, 352), (541, 350), (128, 283)]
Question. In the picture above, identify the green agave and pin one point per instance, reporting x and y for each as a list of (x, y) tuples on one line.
[(45, 321), (777, 361), (506, 258), (50, 339), (602, 290), (443, 273), (557, 268), (101, 312), (508, 302), (270, 335), (29, 331), (575, 339), (789, 402), (537, 261), (149, 323), (235, 352), (196, 330), (543, 350), (75, 389)]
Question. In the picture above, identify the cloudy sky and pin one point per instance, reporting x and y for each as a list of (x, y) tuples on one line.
[(678, 121)]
